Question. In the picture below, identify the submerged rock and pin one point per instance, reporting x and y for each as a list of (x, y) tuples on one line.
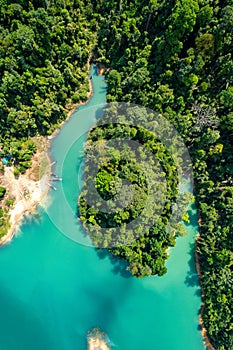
[(97, 340)]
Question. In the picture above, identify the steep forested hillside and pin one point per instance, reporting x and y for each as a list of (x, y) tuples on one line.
[(44, 49), (176, 57)]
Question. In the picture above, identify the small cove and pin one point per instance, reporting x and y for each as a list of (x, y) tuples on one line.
[(53, 289)]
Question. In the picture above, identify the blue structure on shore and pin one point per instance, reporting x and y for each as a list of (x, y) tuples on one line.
[(5, 160)]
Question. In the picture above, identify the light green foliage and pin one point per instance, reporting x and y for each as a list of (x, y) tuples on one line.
[(205, 46), (226, 98)]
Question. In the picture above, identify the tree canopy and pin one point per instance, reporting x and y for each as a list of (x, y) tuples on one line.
[(174, 57)]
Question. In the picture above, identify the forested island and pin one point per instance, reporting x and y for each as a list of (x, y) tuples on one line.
[(174, 57), (132, 221)]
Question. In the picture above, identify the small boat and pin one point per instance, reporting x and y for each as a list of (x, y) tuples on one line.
[(53, 187), (53, 163), (57, 179)]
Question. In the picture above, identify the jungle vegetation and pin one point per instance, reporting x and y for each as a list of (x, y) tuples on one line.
[(175, 57), (131, 188), (44, 50), (172, 56)]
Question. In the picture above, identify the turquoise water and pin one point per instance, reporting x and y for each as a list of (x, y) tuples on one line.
[(53, 289)]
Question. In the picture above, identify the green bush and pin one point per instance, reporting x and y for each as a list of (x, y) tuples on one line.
[(2, 192)]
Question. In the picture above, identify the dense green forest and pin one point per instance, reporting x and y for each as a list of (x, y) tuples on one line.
[(44, 49), (172, 56), (176, 58), (133, 221)]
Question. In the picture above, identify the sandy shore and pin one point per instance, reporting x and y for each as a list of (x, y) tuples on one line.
[(27, 191), (28, 194)]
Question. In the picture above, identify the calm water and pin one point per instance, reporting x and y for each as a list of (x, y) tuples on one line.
[(53, 290)]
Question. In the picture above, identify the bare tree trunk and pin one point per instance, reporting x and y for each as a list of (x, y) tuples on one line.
[(149, 18)]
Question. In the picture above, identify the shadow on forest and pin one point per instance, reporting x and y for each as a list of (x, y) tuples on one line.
[(119, 265)]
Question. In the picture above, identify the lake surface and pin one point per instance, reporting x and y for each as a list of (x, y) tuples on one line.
[(53, 289)]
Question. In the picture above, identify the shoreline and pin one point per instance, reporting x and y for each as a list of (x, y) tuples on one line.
[(25, 206), (73, 107), (37, 190), (203, 329), (205, 337), (27, 191)]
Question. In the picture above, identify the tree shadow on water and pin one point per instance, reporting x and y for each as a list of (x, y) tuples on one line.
[(95, 68), (192, 279), (105, 309), (119, 265), (99, 113), (192, 212)]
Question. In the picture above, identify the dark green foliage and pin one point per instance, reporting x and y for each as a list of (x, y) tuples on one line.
[(2, 192), (44, 50), (173, 56), (176, 57), (132, 220)]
